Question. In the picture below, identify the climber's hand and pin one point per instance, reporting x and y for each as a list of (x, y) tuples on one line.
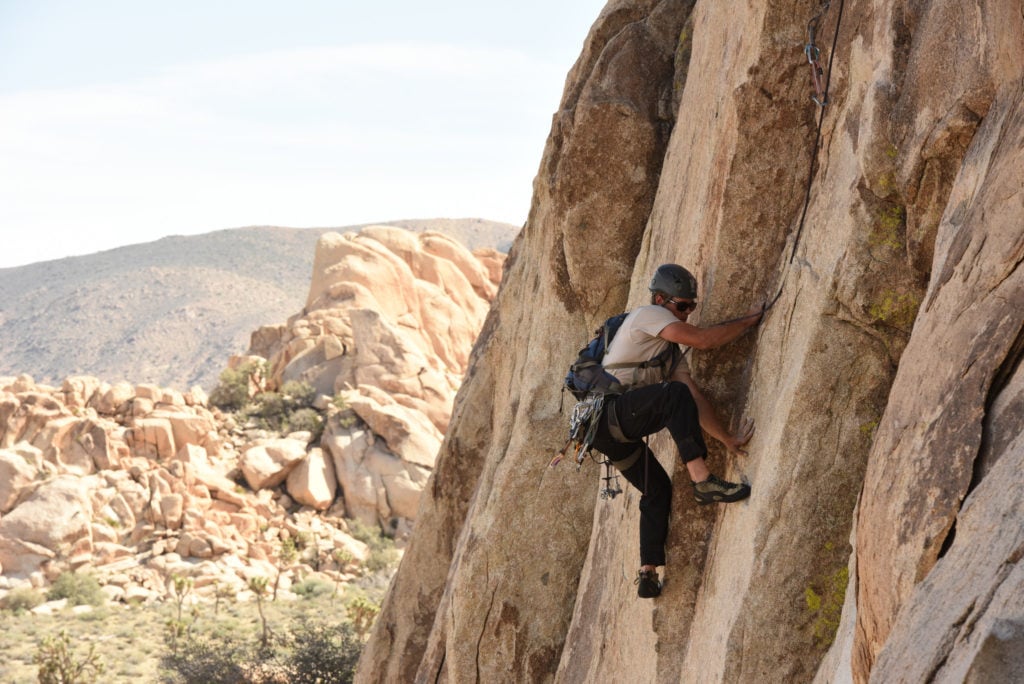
[(737, 440)]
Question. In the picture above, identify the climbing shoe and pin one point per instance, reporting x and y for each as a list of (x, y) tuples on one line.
[(647, 584), (714, 490)]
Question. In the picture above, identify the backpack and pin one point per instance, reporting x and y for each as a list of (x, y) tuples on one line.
[(586, 374)]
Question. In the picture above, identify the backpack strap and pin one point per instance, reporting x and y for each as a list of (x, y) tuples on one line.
[(668, 358)]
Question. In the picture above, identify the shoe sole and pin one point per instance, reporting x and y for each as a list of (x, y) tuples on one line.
[(722, 498)]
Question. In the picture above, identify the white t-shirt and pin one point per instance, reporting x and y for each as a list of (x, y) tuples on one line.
[(637, 341)]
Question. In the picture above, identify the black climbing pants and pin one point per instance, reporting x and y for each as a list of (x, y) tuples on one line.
[(641, 412)]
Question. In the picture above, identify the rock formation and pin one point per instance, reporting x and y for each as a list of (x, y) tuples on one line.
[(883, 538), (387, 327), (138, 483)]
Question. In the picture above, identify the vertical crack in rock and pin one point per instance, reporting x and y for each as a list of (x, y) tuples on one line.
[(480, 652)]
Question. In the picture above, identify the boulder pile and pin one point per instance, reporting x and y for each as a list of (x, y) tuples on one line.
[(139, 484)]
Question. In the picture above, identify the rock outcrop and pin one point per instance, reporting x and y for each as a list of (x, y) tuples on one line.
[(882, 540), (138, 483), (387, 328)]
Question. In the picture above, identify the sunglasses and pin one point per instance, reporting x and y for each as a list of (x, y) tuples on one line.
[(683, 306)]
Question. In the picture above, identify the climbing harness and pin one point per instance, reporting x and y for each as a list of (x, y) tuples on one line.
[(582, 428)]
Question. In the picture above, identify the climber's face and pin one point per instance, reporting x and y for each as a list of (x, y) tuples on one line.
[(680, 307)]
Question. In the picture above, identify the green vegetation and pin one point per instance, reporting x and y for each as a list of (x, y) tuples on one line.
[(290, 410), (306, 649), (383, 554), (232, 394), (347, 417), (21, 600), (896, 309), (362, 612), (79, 590), (827, 606), (312, 588), (58, 665), (134, 644), (888, 228), (309, 651)]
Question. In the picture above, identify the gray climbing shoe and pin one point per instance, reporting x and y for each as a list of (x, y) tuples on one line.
[(715, 490)]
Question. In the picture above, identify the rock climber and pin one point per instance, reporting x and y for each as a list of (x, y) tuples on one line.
[(664, 395)]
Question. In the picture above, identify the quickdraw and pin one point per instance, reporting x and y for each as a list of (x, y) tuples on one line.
[(582, 429), (813, 54)]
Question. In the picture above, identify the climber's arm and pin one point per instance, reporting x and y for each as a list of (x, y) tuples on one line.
[(710, 421), (690, 335)]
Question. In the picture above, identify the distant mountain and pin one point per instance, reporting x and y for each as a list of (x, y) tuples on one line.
[(172, 311)]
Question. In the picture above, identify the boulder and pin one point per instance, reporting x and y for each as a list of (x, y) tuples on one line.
[(172, 508), (407, 433), (114, 400), (46, 524), (313, 482), (268, 464), (17, 473), (362, 490), (152, 438), (79, 390)]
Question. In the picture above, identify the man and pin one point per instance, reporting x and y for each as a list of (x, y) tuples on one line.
[(645, 356)]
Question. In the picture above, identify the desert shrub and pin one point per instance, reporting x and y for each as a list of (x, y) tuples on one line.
[(23, 599), (309, 651), (306, 419), (268, 409), (217, 660), (312, 588), (322, 653), (299, 394), (232, 392), (58, 665), (383, 554), (347, 417), (79, 590)]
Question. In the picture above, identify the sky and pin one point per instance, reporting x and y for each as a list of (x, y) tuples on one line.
[(124, 121)]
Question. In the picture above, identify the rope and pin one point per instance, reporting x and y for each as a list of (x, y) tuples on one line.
[(821, 99), (821, 118)]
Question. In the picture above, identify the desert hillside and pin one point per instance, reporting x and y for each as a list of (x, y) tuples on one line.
[(170, 312), (884, 535)]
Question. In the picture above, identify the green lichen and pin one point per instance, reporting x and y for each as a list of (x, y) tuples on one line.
[(868, 429), (888, 227), (827, 606), (896, 309), (886, 184)]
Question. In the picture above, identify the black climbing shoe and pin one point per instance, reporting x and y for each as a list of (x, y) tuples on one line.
[(714, 490), (647, 584)]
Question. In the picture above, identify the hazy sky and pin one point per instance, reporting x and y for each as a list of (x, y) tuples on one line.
[(122, 121)]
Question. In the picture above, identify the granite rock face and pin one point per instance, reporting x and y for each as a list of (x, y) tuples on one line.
[(386, 332), (882, 539)]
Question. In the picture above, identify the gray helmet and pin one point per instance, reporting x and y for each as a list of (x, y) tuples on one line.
[(675, 281)]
